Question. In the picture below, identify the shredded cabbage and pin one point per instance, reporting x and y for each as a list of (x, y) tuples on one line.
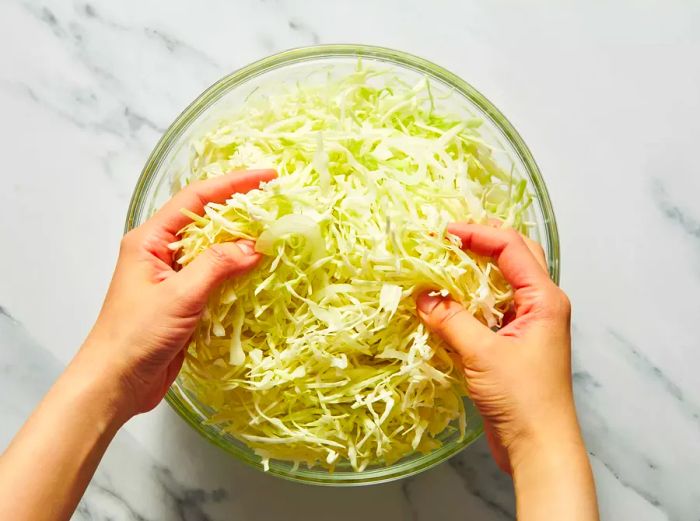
[(317, 356)]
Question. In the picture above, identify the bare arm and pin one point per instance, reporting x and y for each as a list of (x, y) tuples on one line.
[(128, 361), (44, 471), (520, 379)]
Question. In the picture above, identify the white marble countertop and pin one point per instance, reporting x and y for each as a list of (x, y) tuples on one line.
[(608, 98)]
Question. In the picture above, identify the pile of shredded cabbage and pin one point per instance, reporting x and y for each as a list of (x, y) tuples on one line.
[(317, 357)]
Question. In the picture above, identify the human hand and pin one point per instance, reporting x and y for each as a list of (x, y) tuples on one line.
[(520, 376), (151, 310)]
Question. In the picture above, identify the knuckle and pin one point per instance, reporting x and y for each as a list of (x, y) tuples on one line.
[(218, 254), (558, 302), (443, 316), (538, 248), (176, 289), (513, 235), (193, 186), (564, 303), (129, 240), (194, 189), (179, 293)]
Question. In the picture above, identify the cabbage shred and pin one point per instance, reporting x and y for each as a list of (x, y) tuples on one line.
[(317, 357)]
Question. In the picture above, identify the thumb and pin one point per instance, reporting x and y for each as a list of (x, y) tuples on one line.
[(216, 264), (454, 324)]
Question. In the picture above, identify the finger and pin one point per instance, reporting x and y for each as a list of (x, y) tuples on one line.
[(533, 246), (507, 248), (454, 324), (537, 251), (198, 194), (211, 268)]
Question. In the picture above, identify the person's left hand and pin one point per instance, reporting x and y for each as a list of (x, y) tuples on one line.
[(151, 310)]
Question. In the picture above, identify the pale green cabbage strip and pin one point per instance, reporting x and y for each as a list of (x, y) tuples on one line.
[(317, 356)]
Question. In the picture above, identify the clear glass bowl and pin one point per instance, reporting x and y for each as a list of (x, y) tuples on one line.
[(170, 158)]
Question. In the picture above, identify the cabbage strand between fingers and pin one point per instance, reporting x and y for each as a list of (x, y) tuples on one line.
[(317, 356)]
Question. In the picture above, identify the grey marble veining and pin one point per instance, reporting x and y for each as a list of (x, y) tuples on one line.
[(607, 97)]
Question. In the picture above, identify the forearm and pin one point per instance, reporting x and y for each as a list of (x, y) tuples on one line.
[(553, 478), (46, 468)]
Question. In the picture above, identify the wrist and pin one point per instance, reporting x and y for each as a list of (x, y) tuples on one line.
[(98, 389), (552, 476), (557, 437)]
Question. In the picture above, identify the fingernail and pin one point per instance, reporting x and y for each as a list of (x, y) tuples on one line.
[(247, 247), (427, 303)]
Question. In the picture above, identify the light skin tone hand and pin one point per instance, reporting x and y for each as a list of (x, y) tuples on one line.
[(129, 359), (520, 378)]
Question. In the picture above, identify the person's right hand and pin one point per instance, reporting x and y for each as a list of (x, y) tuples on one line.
[(151, 310), (520, 376)]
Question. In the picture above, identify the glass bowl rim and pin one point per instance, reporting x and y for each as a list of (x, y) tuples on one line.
[(303, 54)]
